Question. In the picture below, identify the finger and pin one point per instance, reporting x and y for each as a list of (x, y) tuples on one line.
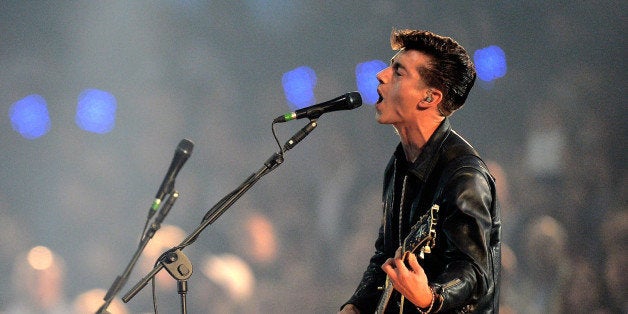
[(414, 263), (390, 262), (388, 266), (390, 272), (398, 253), (399, 264)]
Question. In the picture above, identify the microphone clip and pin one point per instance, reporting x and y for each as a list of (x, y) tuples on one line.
[(300, 135)]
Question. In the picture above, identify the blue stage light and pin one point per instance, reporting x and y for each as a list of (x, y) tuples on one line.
[(490, 63), (29, 117), (298, 87), (365, 76), (96, 111)]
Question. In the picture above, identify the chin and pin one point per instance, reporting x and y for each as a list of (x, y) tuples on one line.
[(378, 118)]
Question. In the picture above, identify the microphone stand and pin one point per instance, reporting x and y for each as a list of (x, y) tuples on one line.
[(175, 261), (121, 280)]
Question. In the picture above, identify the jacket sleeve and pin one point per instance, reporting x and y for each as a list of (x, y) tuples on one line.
[(367, 293), (465, 240)]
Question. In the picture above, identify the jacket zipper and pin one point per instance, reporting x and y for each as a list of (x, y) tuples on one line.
[(401, 203), (450, 284)]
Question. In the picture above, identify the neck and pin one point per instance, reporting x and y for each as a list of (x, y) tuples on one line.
[(414, 136)]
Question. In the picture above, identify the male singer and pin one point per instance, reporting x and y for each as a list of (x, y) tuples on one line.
[(428, 79)]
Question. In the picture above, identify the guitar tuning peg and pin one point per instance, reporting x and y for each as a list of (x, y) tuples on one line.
[(427, 249)]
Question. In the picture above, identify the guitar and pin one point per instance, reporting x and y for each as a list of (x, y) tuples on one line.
[(422, 234)]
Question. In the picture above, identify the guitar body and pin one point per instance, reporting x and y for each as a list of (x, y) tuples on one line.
[(423, 235)]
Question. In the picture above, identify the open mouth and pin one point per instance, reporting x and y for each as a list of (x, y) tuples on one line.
[(380, 98)]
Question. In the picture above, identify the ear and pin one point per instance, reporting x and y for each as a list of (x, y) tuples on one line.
[(432, 98)]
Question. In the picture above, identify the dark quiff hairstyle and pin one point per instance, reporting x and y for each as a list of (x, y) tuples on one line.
[(451, 70)]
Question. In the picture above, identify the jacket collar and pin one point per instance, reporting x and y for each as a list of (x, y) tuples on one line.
[(426, 161)]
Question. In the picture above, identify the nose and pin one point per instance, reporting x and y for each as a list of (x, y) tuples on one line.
[(383, 75)]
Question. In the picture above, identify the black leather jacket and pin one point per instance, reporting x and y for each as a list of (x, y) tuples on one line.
[(464, 266)]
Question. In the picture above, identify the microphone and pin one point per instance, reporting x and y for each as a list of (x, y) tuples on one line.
[(181, 155), (347, 101)]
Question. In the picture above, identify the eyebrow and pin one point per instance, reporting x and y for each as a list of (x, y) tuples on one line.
[(398, 67), (396, 64)]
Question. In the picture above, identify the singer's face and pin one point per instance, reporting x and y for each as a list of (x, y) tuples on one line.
[(401, 89)]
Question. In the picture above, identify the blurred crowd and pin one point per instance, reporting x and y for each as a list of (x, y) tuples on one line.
[(565, 218)]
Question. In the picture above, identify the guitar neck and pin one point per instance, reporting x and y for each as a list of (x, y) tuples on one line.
[(421, 235)]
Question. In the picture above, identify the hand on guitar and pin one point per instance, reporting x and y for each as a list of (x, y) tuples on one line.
[(410, 282)]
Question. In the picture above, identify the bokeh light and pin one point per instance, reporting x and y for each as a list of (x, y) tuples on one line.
[(298, 86), (167, 237), (490, 63), (29, 116), (231, 273), (40, 258), (96, 111), (91, 300)]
